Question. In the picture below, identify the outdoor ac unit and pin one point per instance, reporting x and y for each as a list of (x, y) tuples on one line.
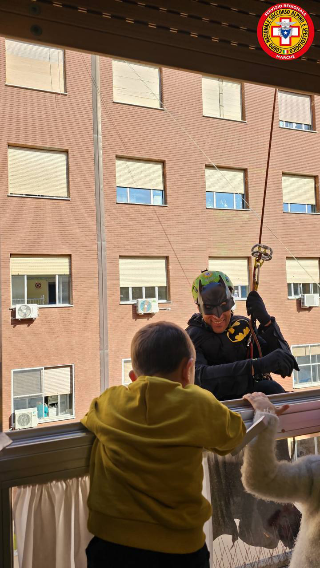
[(27, 418), (149, 306), (26, 311), (309, 300)]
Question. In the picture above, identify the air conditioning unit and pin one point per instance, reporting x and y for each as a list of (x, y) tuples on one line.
[(26, 311), (309, 300), (148, 306), (26, 418)]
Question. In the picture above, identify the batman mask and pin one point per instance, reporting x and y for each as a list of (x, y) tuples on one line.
[(215, 298)]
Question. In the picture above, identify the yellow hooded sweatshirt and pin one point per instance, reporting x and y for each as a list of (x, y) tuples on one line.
[(146, 462)]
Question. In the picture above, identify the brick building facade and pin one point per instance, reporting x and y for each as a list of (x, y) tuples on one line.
[(180, 226)]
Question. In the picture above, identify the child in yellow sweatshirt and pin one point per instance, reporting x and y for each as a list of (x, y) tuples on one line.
[(146, 507)]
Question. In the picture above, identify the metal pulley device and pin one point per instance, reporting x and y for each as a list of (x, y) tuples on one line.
[(261, 254)]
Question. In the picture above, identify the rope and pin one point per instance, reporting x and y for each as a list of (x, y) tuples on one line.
[(267, 169)]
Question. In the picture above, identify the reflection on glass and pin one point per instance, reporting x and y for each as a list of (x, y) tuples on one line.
[(124, 295), (142, 196), (150, 292), (162, 292), (224, 200), (122, 195), (137, 292), (157, 196), (209, 199), (240, 202)]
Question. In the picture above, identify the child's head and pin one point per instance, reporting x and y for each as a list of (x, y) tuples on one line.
[(163, 349)]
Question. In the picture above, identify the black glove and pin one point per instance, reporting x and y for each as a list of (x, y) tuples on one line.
[(278, 361), (256, 308)]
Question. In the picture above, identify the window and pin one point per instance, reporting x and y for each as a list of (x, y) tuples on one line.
[(308, 359), (40, 173), (139, 181), (295, 111), (221, 99), (42, 280), (48, 389), (225, 189), (299, 195), (302, 278), (34, 66), (126, 368), (237, 270), (143, 278), (136, 84)]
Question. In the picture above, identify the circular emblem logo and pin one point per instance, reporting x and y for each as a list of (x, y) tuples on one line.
[(285, 31)]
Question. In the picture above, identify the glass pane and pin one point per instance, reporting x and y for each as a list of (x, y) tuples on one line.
[(298, 126), (289, 290), (240, 203), (311, 208), (157, 197), (248, 532), (140, 196), (124, 295), (150, 292), (63, 289), (24, 420), (305, 446), (65, 404), (137, 293), (236, 292), (18, 293), (27, 382), (224, 200), (122, 195), (304, 374), (244, 291), (41, 290), (209, 199), (305, 288), (296, 290), (162, 293), (297, 208), (286, 207)]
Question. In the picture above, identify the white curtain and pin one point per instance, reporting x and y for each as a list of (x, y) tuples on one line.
[(51, 524)]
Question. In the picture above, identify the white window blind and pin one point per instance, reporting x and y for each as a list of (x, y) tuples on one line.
[(57, 380), (136, 84), (295, 108), (142, 272), (27, 382), (298, 189), (126, 368), (140, 174), (221, 99), (34, 66), (296, 274), (235, 268), (40, 265), (37, 172), (228, 181)]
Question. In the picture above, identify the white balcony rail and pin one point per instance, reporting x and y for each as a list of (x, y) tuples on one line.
[(39, 301)]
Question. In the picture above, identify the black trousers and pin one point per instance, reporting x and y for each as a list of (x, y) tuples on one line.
[(268, 387), (104, 554)]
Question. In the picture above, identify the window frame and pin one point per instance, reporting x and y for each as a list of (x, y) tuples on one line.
[(56, 305), (287, 125), (128, 202), (234, 208), (240, 297), (300, 212), (312, 384), (123, 382), (64, 92), (59, 417), (132, 302), (300, 284), (221, 102)]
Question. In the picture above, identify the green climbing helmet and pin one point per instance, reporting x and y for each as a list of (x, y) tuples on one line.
[(206, 277)]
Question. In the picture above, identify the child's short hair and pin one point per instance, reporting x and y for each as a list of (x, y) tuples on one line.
[(158, 349)]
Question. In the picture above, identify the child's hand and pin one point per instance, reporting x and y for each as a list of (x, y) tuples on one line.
[(260, 401)]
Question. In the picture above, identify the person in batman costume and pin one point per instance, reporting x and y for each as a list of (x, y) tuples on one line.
[(224, 368), (221, 342)]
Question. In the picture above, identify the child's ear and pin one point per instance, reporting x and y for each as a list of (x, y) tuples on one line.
[(133, 376), (188, 372)]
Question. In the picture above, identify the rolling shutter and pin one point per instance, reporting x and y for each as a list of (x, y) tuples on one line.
[(231, 100), (139, 174), (27, 382), (40, 265), (298, 189), (136, 84), (296, 274), (235, 268), (142, 272), (295, 108), (211, 96), (57, 380), (126, 368), (225, 181), (34, 66), (38, 172)]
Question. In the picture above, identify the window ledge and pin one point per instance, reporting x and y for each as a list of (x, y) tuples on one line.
[(136, 105), (56, 419), (133, 302), (225, 209), (307, 386), (300, 213), (47, 306), (144, 204), (34, 89), (222, 118), (39, 196), (298, 129)]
